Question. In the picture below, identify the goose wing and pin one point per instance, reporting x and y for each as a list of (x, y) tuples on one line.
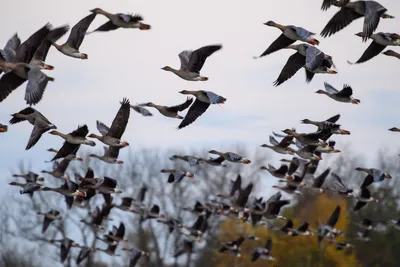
[(78, 32), (294, 63), (199, 56)]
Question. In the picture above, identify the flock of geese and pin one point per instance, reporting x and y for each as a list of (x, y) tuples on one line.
[(26, 61)]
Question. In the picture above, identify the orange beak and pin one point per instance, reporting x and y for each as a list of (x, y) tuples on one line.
[(344, 131), (48, 67), (79, 159), (332, 72), (3, 129), (81, 194), (246, 161), (289, 178), (190, 175), (84, 56), (120, 162), (144, 26), (124, 144), (354, 102), (314, 42), (388, 176)]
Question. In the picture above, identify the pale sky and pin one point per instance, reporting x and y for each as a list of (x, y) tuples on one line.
[(126, 63)]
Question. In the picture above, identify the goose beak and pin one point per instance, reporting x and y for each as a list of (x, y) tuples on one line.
[(388, 176), (344, 131), (124, 144), (354, 102), (314, 42), (332, 72), (245, 161), (190, 175)]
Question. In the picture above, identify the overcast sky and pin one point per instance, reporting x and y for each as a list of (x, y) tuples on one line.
[(126, 63)]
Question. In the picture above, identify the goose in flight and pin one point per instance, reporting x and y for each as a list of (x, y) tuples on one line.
[(73, 141), (71, 46), (112, 136), (120, 20), (40, 124), (290, 34), (203, 100), (192, 62), (344, 95), (172, 111), (380, 41), (309, 57), (371, 11)]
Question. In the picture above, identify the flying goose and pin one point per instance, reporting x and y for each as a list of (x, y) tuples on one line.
[(236, 185), (40, 55), (84, 253), (65, 246), (281, 147), (69, 190), (203, 100), (309, 57), (365, 224), (263, 253), (345, 95), (394, 129), (49, 217), (233, 247), (120, 20), (71, 46), (136, 254), (278, 173), (231, 157), (171, 111), (110, 155), (323, 124), (318, 182), (118, 233), (73, 141), (40, 124), (363, 197), (112, 136), (374, 175), (30, 177), (28, 63), (19, 66), (28, 187), (371, 11), (176, 175), (338, 186), (380, 41), (328, 229), (60, 168), (306, 138), (290, 34), (192, 62), (193, 161)]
